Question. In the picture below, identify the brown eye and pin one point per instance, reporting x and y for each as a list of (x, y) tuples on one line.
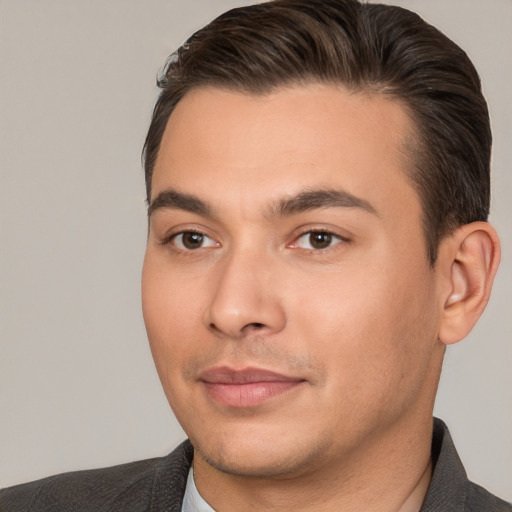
[(320, 239), (191, 240)]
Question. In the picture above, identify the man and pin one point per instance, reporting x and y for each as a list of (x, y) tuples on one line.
[(318, 187)]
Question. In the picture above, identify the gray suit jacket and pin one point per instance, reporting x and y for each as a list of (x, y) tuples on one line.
[(158, 485)]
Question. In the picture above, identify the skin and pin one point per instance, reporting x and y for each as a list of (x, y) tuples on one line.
[(356, 321)]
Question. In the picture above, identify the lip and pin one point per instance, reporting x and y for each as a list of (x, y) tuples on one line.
[(248, 387)]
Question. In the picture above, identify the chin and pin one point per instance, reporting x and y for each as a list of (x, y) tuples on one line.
[(271, 457)]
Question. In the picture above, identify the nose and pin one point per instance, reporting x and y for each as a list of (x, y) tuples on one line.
[(246, 298)]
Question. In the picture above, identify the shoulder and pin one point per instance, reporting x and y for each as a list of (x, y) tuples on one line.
[(479, 499), (70, 491), (132, 487), (450, 488)]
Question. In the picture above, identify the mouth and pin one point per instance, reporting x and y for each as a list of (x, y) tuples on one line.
[(246, 388)]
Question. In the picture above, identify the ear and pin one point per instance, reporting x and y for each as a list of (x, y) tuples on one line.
[(471, 257)]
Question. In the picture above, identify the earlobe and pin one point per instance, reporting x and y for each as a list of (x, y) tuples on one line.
[(473, 258)]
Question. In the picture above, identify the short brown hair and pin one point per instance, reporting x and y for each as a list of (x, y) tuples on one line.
[(364, 47)]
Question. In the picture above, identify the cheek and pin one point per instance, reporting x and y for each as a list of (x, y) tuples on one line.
[(172, 315), (171, 311), (371, 329)]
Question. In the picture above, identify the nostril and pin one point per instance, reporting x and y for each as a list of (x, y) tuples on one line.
[(253, 326), (256, 325)]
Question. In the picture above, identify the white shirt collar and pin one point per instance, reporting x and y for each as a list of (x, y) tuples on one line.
[(193, 501)]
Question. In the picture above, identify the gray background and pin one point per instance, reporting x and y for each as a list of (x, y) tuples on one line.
[(77, 383)]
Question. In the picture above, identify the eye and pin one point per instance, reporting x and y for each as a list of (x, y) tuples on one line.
[(317, 240), (191, 240)]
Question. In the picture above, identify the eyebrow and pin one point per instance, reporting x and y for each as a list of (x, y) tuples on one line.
[(302, 202), (172, 199), (317, 199)]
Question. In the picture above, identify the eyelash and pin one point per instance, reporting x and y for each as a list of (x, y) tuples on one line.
[(333, 240), (171, 238), (333, 237)]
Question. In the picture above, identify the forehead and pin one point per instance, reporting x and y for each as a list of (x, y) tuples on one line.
[(314, 135)]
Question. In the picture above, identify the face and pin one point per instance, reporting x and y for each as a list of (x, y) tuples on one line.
[(288, 299)]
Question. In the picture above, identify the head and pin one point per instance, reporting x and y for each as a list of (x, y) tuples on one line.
[(317, 179)]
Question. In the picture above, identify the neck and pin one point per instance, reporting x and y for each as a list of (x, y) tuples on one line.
[(391, 474)]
